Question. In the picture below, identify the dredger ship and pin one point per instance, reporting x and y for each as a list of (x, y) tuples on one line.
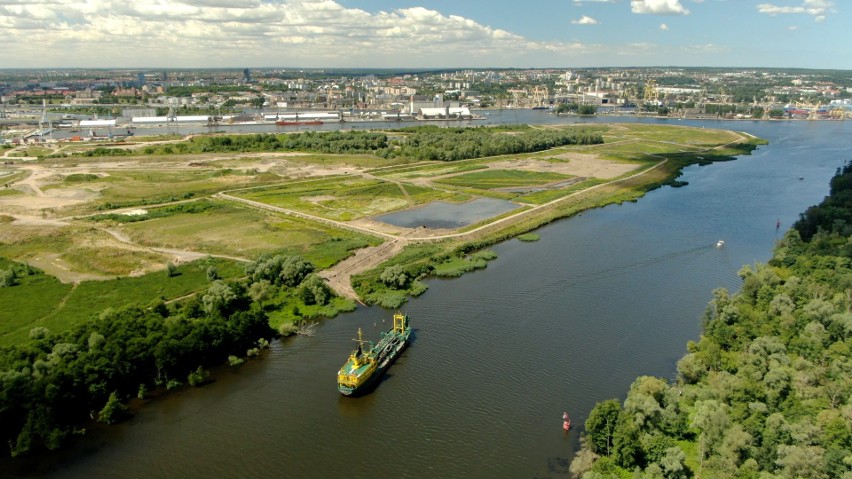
[(368, 362)]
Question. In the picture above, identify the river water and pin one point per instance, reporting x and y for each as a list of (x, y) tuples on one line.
[(499, 354)]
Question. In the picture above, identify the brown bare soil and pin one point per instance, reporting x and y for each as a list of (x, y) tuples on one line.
[(578, 164)]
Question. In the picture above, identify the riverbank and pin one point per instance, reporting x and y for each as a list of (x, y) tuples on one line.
[(768, 324)]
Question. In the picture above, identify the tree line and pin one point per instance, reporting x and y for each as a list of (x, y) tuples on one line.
[(452, 144), (417, 143), (765, 393)]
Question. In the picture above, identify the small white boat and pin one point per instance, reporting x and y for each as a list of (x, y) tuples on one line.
[(720, 243)]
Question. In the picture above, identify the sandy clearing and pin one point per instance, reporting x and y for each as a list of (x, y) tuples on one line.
[(34, 203), (54, 266), (26, 220), (179, 255), (35, 198), (578, 164)]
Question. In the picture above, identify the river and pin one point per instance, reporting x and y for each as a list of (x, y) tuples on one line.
[(498, 354)]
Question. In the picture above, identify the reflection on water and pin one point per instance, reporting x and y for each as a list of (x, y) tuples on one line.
[(440, 214)]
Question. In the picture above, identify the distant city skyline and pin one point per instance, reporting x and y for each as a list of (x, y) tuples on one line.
[(424, 33)]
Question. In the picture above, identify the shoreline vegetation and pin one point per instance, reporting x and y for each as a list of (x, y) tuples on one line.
[(135, 268), (766, 391)]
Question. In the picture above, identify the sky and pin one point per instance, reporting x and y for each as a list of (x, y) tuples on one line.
[(424, 33)]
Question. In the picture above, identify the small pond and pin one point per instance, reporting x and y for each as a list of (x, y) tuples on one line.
[(440, 214)]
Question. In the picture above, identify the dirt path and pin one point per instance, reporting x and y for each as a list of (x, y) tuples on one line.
[(36, 174), (60, 305), (339, 276)]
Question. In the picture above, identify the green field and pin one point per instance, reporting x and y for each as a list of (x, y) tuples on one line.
[(31, 151), (77, 248), (138, 187), (212, 231), (699, 138), (344, 198), (544, 196), (43, 301)]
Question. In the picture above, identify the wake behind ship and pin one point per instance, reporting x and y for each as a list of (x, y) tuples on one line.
[(368, 362)]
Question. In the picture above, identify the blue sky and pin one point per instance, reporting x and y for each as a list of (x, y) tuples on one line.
[(425, 33)]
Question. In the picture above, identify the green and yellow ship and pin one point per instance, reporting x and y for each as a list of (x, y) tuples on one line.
[(368, 362)]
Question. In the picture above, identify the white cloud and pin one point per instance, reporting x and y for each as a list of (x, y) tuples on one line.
[(664, 27), (817, 8), (585, 20), (707, 48), (639, 49), (658, 7), (210, 33)]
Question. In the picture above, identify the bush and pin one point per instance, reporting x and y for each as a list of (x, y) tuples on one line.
[(315, 291), (113, 411), (288, 329), (528, 237), (394, 276), (198, 377), (212, 274), (8, 277)]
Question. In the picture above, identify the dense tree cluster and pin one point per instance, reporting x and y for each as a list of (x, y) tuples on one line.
[(766, 392), (835, 212), (336, 142), (584, 109), (279, 269), (418, 143), (451, 144), (55, 383), (394, 276), (314, 290)]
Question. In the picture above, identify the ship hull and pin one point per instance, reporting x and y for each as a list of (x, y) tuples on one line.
[(297, 123), (375, 379), (364, 388)]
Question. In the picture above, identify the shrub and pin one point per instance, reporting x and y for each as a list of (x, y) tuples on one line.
[(113, 410), (8, 277), (198, 377)]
